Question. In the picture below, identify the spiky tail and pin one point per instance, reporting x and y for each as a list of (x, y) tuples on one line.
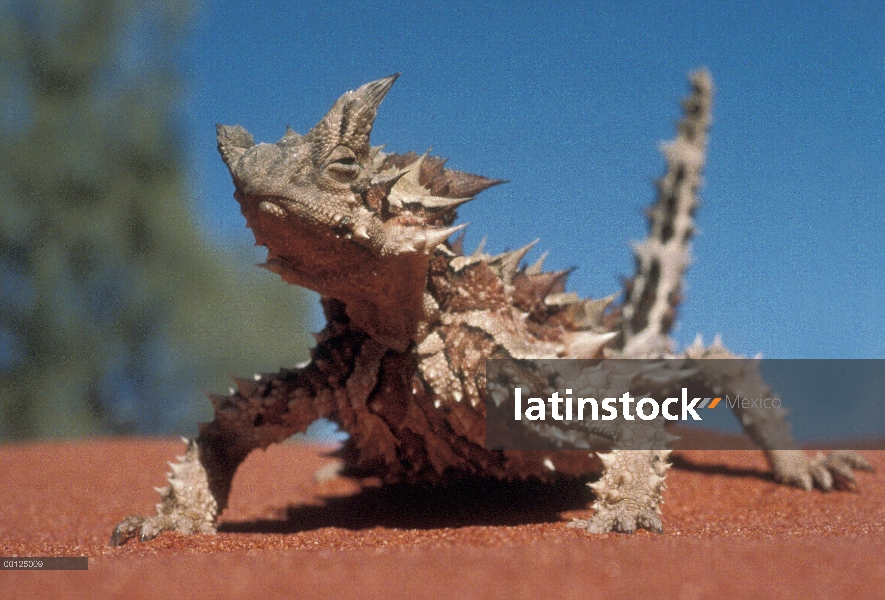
[(653, 294)]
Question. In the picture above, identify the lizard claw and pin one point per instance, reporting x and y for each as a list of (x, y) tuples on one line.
[(840, 464), (145, 528), (126, 530)]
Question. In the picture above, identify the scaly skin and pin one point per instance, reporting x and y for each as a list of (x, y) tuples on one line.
[(400, 365)]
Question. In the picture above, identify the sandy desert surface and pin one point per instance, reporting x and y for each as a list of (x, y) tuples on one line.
[(730, 531)]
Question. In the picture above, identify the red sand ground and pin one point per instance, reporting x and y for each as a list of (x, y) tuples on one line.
[(730, 531)]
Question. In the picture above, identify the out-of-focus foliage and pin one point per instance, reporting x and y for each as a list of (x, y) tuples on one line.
[(114, 311)]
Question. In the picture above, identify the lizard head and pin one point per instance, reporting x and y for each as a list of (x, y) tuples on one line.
[(342, 218)]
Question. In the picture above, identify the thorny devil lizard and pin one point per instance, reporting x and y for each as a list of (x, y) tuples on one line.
[(400, 366)]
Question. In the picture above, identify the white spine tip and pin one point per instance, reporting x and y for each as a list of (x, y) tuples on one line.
[(434, 238)]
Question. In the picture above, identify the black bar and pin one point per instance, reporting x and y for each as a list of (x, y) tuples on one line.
[(44, 563)]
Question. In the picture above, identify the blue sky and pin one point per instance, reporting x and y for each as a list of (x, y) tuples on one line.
[(569, 100)]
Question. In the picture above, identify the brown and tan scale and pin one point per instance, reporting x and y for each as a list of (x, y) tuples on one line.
[(400, 365)]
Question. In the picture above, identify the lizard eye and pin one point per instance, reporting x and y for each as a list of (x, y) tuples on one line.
[(342, 165)]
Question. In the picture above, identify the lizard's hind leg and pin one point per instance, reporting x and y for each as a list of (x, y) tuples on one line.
[(726, 373)]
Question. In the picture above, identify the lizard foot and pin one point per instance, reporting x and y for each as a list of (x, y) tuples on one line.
[(147, 528), (629, 492), (825, 471), (606, 520), (187, 504)]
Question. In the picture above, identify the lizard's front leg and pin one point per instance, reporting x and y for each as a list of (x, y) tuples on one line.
[(629, 492), (628, 495), (259, 414), (197, 492)]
